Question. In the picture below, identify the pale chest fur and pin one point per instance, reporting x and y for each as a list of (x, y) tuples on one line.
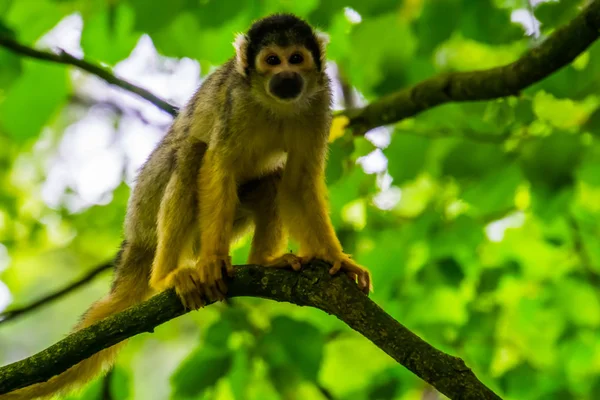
[(256, 150)]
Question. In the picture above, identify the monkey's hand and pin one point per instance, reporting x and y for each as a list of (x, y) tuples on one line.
[(343, 262), (286, 260), (188, 285), (211, 268)]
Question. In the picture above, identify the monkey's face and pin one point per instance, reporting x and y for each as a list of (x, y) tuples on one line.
[(286, 74)]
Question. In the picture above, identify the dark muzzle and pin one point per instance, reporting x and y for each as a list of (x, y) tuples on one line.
[(286, 85)]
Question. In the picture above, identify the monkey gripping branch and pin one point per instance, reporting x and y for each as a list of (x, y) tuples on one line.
[(313, 287)]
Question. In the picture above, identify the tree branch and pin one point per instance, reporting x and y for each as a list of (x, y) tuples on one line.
[(560, 49), (313, 287), (17, 312), (65, 58)]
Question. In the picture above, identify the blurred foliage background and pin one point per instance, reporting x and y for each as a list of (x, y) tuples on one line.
[(479, 221)]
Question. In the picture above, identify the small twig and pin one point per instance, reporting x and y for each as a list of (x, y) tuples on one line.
[(115, 108), (65, 58), (17, 312)]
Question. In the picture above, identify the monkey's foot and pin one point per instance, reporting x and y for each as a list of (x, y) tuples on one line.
[(283, 261), (356, 272), (188, 286)]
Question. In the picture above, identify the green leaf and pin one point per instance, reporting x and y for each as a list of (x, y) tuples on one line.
[(554, 13), (299, 8), (337, 159), (51, 87), (295, 344), (444, 15), (579, 301), (550, 162), (484, 22), (200, 371), (120, 383), (33, 18), (232, 320), (240, 374), (108, 35), (470, 160), (152, 16), (406, 156), (10, 70), (495, 191), (372, 60), (564, 113)]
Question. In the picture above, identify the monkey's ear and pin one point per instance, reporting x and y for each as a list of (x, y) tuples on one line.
[(241, 53), (322, 41)]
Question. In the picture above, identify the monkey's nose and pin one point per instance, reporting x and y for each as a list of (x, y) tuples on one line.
[(286, 85)]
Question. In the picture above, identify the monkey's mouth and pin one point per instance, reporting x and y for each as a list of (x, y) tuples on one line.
[(286, 87)]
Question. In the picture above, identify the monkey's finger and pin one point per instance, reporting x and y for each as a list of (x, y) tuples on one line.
[(217, 273), (222, 286), (336, 267), (202, 273), (230, 271), (197, 299), (306, 259), (296, 265), (228, 264), (211, 292), (365, 282), (217, 292), (352, 275), (183, 300)]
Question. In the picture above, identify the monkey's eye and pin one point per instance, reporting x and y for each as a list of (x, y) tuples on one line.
[(296, 58), (273, 60)]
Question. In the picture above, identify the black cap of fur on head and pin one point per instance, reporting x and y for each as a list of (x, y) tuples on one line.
[(282, 30)]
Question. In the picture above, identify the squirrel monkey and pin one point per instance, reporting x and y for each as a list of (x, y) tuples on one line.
[(248, 150)]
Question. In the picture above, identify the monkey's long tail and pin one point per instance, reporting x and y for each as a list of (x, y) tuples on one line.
[(126, 293)]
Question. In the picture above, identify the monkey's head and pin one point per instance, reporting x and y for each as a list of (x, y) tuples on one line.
[(283, 59)]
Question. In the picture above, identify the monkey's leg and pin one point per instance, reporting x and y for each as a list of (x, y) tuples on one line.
[(304, 208), (270, 237), (175, 226), (218, 200)]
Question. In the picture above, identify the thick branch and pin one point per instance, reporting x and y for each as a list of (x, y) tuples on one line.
[(560, 49), (312, 287), (65, 58), (17, 312)]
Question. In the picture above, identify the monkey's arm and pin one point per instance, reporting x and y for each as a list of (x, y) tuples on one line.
[(175, 218), (175, 229), (218, 199), (304, 208)]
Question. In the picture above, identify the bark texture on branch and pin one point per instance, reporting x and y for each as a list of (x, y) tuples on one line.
[(312, 287)]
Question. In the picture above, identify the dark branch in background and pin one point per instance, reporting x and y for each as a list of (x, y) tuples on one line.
[(313, 287), (560, 49), (115, 108), (17, 312), (65, 58)]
